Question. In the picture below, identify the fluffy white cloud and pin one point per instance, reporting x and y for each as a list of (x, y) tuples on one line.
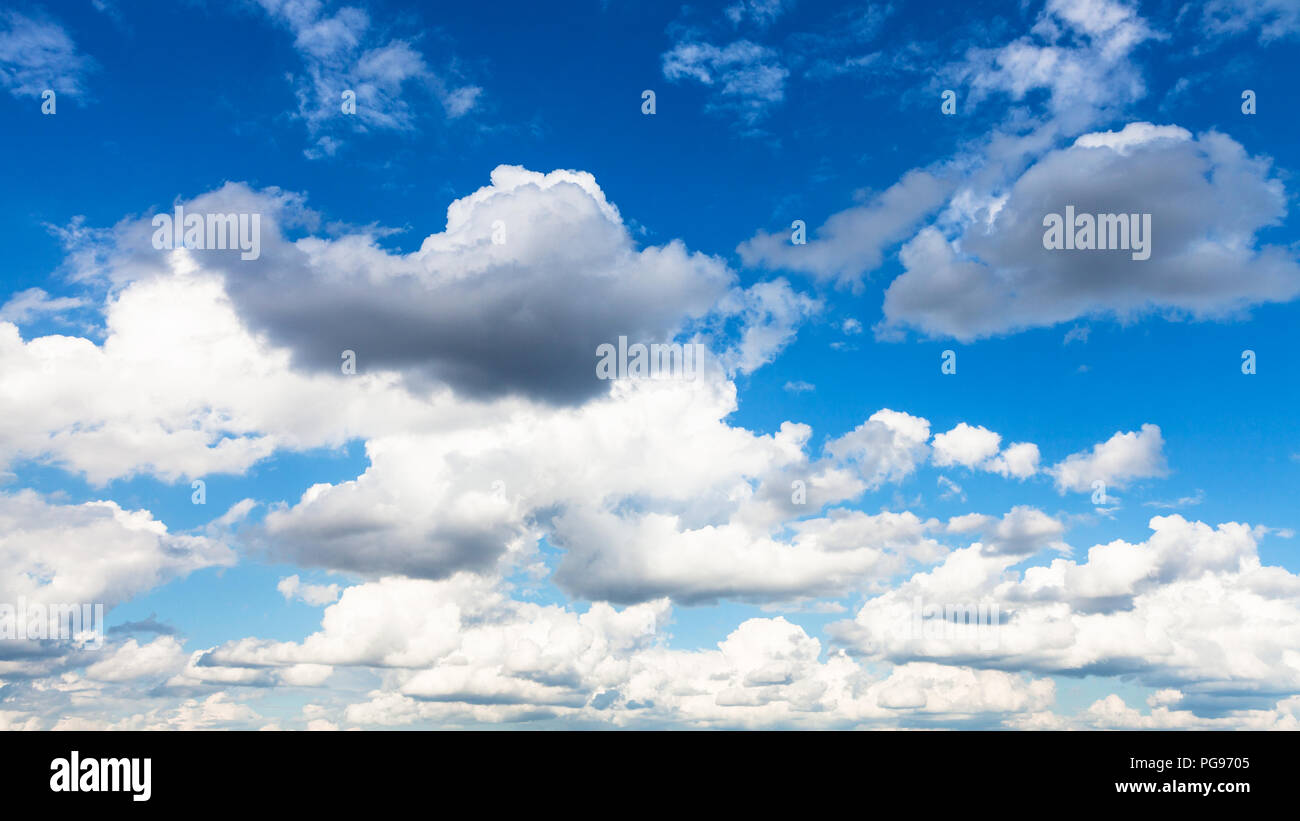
[(1019, 459), (462, 640), (179, 388), (90, 553), (1078, 51), (979, 448), (1192, 607), (205, 368), (217, 711), (700, 518), (1022, 532), (317, 595), (657, 556), (11, 720), (484, 659), (1111, 713), (1117, 461), (648, 492), (965, 445), (770, 313), (885, 448), (163, 656)]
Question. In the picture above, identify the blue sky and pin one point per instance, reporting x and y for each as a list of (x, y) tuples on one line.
[(472, 530)]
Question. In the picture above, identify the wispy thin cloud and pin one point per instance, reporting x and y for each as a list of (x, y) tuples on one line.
[(38, 54)]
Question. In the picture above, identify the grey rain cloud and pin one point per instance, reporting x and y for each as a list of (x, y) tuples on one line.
[(1208, 200), (532, 274)]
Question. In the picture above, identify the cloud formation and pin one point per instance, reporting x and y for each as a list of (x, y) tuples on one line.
[(36, 54), (1208, 202)]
